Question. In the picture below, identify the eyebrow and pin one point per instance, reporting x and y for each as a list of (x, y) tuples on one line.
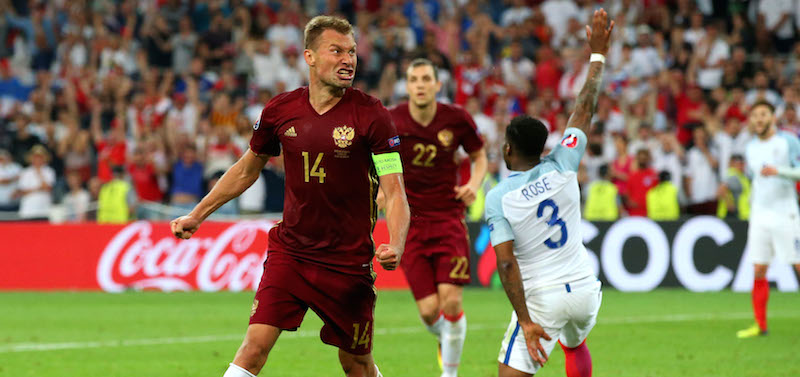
[(342, 48)]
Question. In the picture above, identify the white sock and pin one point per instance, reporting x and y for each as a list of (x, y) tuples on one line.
[(237, 371), (453, 334), (378, 371), (436, 327)]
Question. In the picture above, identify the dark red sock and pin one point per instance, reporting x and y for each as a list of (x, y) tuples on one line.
[(578, 360), (760, 296)]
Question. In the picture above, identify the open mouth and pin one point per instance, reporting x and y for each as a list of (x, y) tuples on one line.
[(345, 74)]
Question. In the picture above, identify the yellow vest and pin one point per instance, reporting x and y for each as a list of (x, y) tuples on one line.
[(743, 204), (475, 211), (601, 204), (662, 202), (112, 204)]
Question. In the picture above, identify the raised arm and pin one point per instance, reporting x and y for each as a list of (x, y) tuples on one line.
[(599, 37), (232, 184)]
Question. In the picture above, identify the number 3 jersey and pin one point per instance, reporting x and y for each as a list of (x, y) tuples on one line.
[(539, 210), (428, 152), (331, 182)]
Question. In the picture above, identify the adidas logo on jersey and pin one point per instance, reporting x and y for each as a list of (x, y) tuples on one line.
[(290, 132)]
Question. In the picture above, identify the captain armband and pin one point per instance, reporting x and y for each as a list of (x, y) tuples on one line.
[(387, 163)]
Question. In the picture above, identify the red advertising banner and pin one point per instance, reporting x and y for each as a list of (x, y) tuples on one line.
[(143, 255)]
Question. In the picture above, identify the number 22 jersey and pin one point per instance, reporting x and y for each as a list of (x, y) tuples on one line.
[(539, 209), (329, 207)]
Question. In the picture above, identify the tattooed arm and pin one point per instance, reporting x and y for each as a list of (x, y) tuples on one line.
[(599, 37)]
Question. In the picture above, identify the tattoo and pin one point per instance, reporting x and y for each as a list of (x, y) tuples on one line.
[(587, 99)]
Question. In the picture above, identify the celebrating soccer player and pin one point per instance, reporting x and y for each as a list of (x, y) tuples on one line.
[(437, 262), (535, 222), (773, 160), (337, 143)]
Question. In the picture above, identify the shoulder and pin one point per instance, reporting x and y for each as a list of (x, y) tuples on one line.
[(399, 109), (286, 97), (359, 98), (453, 110)]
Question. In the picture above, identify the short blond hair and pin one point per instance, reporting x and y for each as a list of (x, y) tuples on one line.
[(318, 24)]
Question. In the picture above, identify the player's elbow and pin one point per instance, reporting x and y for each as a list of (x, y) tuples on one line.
[(504, 265)]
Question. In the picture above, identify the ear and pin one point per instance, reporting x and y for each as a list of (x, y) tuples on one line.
[(309, 56), (438, 86)]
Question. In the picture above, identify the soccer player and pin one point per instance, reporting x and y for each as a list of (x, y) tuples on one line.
[(337, 143), (437, 262), (534, 218), (773, 160)]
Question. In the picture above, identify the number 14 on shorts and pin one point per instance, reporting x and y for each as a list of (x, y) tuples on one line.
[(360, 338)]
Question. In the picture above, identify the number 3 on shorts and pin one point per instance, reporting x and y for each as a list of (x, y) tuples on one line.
[(363, 338)]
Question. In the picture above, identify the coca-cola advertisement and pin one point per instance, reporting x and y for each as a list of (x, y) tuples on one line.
[(143, 256)]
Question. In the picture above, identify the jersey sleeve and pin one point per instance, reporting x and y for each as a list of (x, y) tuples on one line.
[(569, 152), (499, 228), (382, 135), (265, 139), (794, 149), (471, 140)]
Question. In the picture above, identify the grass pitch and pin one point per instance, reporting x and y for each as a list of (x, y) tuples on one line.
[(660, 333)]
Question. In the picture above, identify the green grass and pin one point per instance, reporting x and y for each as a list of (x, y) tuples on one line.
[(661, 333)]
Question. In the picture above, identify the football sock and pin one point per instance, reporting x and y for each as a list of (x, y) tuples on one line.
[(377, 371), (760, 296), (237, 371), (454, 330), (436, 327), (578, 360)]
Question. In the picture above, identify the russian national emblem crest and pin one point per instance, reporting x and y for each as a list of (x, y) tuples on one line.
[(343, 136), (445, 137)]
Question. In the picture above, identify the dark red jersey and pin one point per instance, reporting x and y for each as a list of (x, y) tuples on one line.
[(430, 170), (329, 207)]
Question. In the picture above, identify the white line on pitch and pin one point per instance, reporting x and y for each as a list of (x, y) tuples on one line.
[(36, 347)]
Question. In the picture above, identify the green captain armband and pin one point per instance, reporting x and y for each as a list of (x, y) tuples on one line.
[(387, 163)]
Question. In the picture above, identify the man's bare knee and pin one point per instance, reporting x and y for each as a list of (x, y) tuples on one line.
[(450, 299), (357, 365), (760, 271), (429, 308), (256, 346)]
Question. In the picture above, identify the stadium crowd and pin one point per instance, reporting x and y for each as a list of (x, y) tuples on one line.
[(152, 100)]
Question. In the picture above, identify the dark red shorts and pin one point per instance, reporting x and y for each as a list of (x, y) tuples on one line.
[(344, 302), (437, 251)]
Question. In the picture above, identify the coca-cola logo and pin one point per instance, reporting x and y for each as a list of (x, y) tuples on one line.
[(232, 259)]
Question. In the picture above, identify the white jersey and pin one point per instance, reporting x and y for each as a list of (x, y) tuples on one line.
[(773, 195), (539, 210)]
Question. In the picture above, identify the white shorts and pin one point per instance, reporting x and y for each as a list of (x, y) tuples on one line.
[(774, 236), (567, 312)]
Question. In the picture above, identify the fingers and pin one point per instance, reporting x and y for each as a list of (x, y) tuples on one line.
[(387, 257), (544, 357), (177, 228), (460, 192), (545, 336)]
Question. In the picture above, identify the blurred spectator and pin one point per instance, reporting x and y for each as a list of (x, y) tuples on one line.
[(517, 69), (711, 53), (9, 176), (24, 140), (558, 13), (731, 140), (775, 16), (670, 159), (183, 45), (602, 201), (762, 91), (144, 178), (662, 200), (220, 152), (734, 192), (623, 163), (641, 179), (701, 178), (76, 201), (187, 179), (75, 150), (36, 185), (117, 200), (516, 13)]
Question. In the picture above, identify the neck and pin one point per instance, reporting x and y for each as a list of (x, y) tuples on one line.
[(422, 114), (768, 133), (524, 164), (322, 96)]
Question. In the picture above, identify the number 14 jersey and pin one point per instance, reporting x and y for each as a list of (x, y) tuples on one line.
[(540, 210), (331, 183)]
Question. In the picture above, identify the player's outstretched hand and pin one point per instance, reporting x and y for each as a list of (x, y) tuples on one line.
[(533, 332), (768, 170), (184, 227), (466, 194), (388, 256), (598, 35)]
